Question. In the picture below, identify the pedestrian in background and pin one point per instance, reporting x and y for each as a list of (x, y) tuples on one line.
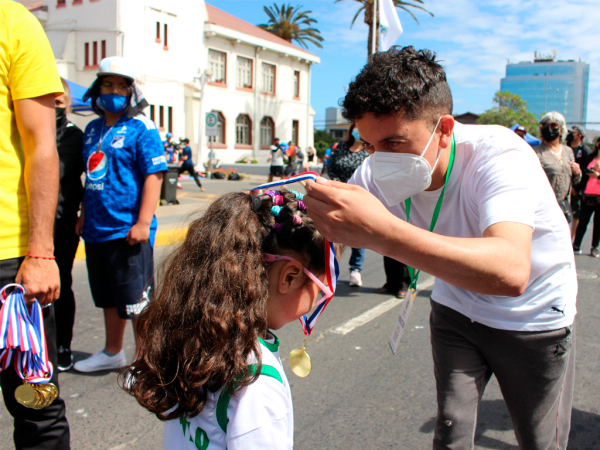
[(188, 163), (591, 203), (125, 162), (69, 143), (581, 153), (29, 180), (299, 157), (277, 151), (397, 278), (557, 160), (348, 156), (310, 159)]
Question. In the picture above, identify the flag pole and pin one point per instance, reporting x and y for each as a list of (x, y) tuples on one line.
[(374, 37)]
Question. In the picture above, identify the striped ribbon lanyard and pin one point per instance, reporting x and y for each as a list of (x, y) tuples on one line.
[(22, 335)]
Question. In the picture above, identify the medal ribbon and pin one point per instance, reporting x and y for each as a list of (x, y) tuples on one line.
[(414, 276), (22, 335), (331, 265)]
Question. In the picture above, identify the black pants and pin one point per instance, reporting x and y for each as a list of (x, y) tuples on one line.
[(45, 428), (65, 247), (189, 169), (584, 218), (397, 277)]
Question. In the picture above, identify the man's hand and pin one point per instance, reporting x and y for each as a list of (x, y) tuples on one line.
[(138, 233), (575, 169), (346, 214), (593, 174), (79, 226), (41, 280)]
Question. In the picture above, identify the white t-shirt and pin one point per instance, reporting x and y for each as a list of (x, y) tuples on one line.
[(276, 156), (497, 177), (260, 415)]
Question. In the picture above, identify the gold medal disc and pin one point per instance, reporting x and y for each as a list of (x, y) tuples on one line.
[(300, 362), (26, 395)]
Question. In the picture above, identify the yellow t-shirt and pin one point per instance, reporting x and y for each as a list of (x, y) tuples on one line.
[(27, 70)]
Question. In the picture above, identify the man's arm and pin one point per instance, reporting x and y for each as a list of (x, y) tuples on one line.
[(36, 122), (498, 263), (140, 232)]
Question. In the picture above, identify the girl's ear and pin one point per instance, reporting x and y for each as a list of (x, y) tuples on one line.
[(290, 277)]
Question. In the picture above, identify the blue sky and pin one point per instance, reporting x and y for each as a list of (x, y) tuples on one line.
[(474, 39)]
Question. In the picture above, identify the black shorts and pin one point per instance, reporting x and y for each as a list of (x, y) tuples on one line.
[(121, 275), (576, 201), (276, 171)]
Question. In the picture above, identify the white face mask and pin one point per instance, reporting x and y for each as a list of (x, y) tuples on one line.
[(399, 176)]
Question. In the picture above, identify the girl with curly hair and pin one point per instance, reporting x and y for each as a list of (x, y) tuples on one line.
[(207, 363)]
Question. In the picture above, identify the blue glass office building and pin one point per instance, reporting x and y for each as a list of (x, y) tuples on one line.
[(548, 85)]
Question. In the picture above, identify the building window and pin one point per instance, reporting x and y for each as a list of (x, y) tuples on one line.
[(220, 137), (217, 63), (157, 31), (61, 3), (161, 117), (243, 126), (296, 84), (103, 47), (86, 47), (166, 37), (244, 72), (295, 133), (268, 78), (170, 113), (152, 113), (267, 131), (95, 52)]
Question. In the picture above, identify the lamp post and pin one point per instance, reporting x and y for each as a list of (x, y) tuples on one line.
[(202, 79)]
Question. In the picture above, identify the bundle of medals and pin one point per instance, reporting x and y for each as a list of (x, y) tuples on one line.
[(23, 340), (300, 362)]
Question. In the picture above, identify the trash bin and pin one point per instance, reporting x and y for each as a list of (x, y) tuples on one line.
[(168, 192)]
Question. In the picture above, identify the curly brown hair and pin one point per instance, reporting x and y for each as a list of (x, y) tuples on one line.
[(210, 305)]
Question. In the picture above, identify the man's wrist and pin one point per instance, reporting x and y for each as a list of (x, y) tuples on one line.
[(144, 223)]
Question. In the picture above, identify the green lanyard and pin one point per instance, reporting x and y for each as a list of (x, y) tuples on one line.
[(436, 212)]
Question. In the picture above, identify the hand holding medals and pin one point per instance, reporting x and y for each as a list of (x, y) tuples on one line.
[(22, 335)]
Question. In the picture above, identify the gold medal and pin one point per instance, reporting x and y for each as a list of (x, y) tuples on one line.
[(26, 395), (36, 396), (300, 361)]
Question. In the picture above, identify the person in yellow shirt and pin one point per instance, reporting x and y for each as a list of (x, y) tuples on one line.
[(29, 174)]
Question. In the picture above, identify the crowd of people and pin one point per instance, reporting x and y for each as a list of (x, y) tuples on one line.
[(473, 206)]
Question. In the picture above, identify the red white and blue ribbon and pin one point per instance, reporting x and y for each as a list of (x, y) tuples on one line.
[(295, 179), (22, 335)]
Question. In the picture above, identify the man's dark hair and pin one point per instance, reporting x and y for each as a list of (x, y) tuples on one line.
[(401, 80)]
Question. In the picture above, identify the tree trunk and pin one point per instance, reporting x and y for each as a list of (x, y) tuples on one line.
[(369, 21)]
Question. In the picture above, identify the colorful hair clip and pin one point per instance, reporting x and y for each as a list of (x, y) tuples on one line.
[(298, 195), (278, 200), (296, 220), (275, 210), (278, 227), (271, 193), (301, 206)]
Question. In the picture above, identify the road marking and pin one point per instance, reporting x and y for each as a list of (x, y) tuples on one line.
[(375, 312)]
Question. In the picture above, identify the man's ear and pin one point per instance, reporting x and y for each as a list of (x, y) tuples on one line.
[(446, 127), (290, 277)]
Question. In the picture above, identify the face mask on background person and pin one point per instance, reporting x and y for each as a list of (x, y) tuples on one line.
[(570, 138), (549, 133), (399, 176), (113, 102), (61, 113)]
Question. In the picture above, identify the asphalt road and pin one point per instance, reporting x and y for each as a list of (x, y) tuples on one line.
[(359, 395)]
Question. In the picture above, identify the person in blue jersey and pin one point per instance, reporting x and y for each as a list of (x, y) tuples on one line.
[(169, 147), (188, 164), (124, 164)]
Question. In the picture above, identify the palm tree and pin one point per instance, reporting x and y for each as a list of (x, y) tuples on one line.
[(367, 7), (287, 22)]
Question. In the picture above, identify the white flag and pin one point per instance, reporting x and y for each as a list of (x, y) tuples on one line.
[(390, 27)]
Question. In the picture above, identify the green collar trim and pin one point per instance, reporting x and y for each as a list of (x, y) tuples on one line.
[(274, 347)]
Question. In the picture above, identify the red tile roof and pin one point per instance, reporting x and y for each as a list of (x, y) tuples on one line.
[(222, 19)]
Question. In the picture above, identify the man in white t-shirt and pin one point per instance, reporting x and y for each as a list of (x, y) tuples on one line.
[(276, 158), (506, 287)]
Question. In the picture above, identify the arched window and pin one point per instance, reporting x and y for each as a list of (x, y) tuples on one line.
[(267, 131), (220, 137), (243, 127)]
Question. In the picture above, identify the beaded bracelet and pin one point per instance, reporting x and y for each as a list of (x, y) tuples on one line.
[(40, 257)]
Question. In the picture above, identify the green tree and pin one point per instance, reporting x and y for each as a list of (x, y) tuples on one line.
[(291, 24), (510, 109), (323, 140), (367, 7)]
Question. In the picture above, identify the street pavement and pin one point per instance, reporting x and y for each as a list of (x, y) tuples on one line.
[(358, 395)]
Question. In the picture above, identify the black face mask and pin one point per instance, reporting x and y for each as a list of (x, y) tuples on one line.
[(549, 134), (570, 138), (61, 113)]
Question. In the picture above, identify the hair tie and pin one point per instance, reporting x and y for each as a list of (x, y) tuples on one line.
[(275, 210), (298, 195), (301, 206), (271, 193), (256, 203), (278, 227), (278, 200), (296, 220)]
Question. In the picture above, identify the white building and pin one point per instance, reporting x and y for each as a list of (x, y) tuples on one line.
[(260, 84)]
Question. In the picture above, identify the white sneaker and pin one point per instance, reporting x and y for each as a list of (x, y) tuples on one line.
[(101, 361), (355, 278)]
